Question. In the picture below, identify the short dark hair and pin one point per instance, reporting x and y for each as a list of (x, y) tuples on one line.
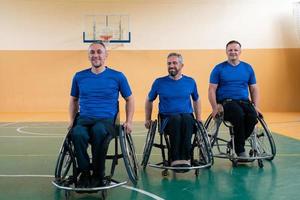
[(178, 55), (233, 42), (98, 42)]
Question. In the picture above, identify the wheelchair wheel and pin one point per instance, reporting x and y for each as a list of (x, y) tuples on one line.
[(260, 163), (129, 156), (203, 144), (266, 144), (212, 127), (149, 143), (65, 162)]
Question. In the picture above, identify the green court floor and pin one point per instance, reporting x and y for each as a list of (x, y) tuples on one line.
[(28, 153)]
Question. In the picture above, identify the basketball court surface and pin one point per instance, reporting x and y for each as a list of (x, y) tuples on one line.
[(29, 151)]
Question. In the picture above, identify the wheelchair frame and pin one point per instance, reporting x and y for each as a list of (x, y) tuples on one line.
[(200, 142), (67, 181), (258, 150)]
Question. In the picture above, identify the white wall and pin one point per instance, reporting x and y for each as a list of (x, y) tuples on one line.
[(155, 24)]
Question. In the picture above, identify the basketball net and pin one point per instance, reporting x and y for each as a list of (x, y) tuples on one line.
[(106, 39)]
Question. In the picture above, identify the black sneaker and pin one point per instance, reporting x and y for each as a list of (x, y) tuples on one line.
[(242, 154), (97, 181), (84, 180), (229, 144), (182, 170)]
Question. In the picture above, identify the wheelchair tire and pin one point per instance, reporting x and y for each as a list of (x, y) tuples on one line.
[(103, 194), (212, 128), (65, 162), (129, 156), (205, 151), (149, 143), (260, 163), (270, 147)]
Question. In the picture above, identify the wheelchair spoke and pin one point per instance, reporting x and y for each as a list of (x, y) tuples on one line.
[(65, 163), (149, 143), (266, 146), (129, 156), (204, 148)]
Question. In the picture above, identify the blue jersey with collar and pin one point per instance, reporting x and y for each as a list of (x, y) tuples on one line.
[(99, 93), (233, 81), (174, 95)]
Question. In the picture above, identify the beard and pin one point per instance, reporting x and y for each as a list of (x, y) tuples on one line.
[(96, 64), (233, 57), (173, 73)]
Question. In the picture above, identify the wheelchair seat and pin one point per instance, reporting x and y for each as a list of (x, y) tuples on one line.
[(259, 146), (67, 172), (201, 155)]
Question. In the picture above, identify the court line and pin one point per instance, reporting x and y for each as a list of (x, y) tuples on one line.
[(51, 176), (8, 124), (65, 129), (46, 136), (143, 192), (30, 136), (41, 155), (288, 155), (138, 154), (19, 129), (26, 175), (28, 155), (284, 122)]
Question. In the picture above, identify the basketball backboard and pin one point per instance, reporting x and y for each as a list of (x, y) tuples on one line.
[(106, 28)]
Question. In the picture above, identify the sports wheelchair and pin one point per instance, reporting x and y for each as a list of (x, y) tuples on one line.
[(260, 145), (201, 154), (67, 173)]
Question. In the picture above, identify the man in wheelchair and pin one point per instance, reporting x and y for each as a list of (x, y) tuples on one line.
[(228, 90), (176, 112), (94, 95)]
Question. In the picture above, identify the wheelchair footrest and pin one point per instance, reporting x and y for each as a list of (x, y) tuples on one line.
[(179, 168), (89, 190)]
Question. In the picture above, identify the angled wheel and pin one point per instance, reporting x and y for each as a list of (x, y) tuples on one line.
[(129, 156), (67, 195), (103, 194), (212, 128), (234, 163), (66, 163), (266, 145), (260, 163), (165, 173), (149, 143), (203, 145)]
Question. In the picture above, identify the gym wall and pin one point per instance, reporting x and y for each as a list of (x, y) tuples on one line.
[(41, 48)]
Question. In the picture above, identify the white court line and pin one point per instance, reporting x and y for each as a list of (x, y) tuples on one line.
[(138, 154), (32, 133), (27, 155), (50, 127), (45, 136), (19, 129), (43, 155), (143, 192), (51, 176), (8, 124), (29, 136), (26, 175)]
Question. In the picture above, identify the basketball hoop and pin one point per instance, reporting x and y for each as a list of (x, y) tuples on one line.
[(113, 30), (105, 38)]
